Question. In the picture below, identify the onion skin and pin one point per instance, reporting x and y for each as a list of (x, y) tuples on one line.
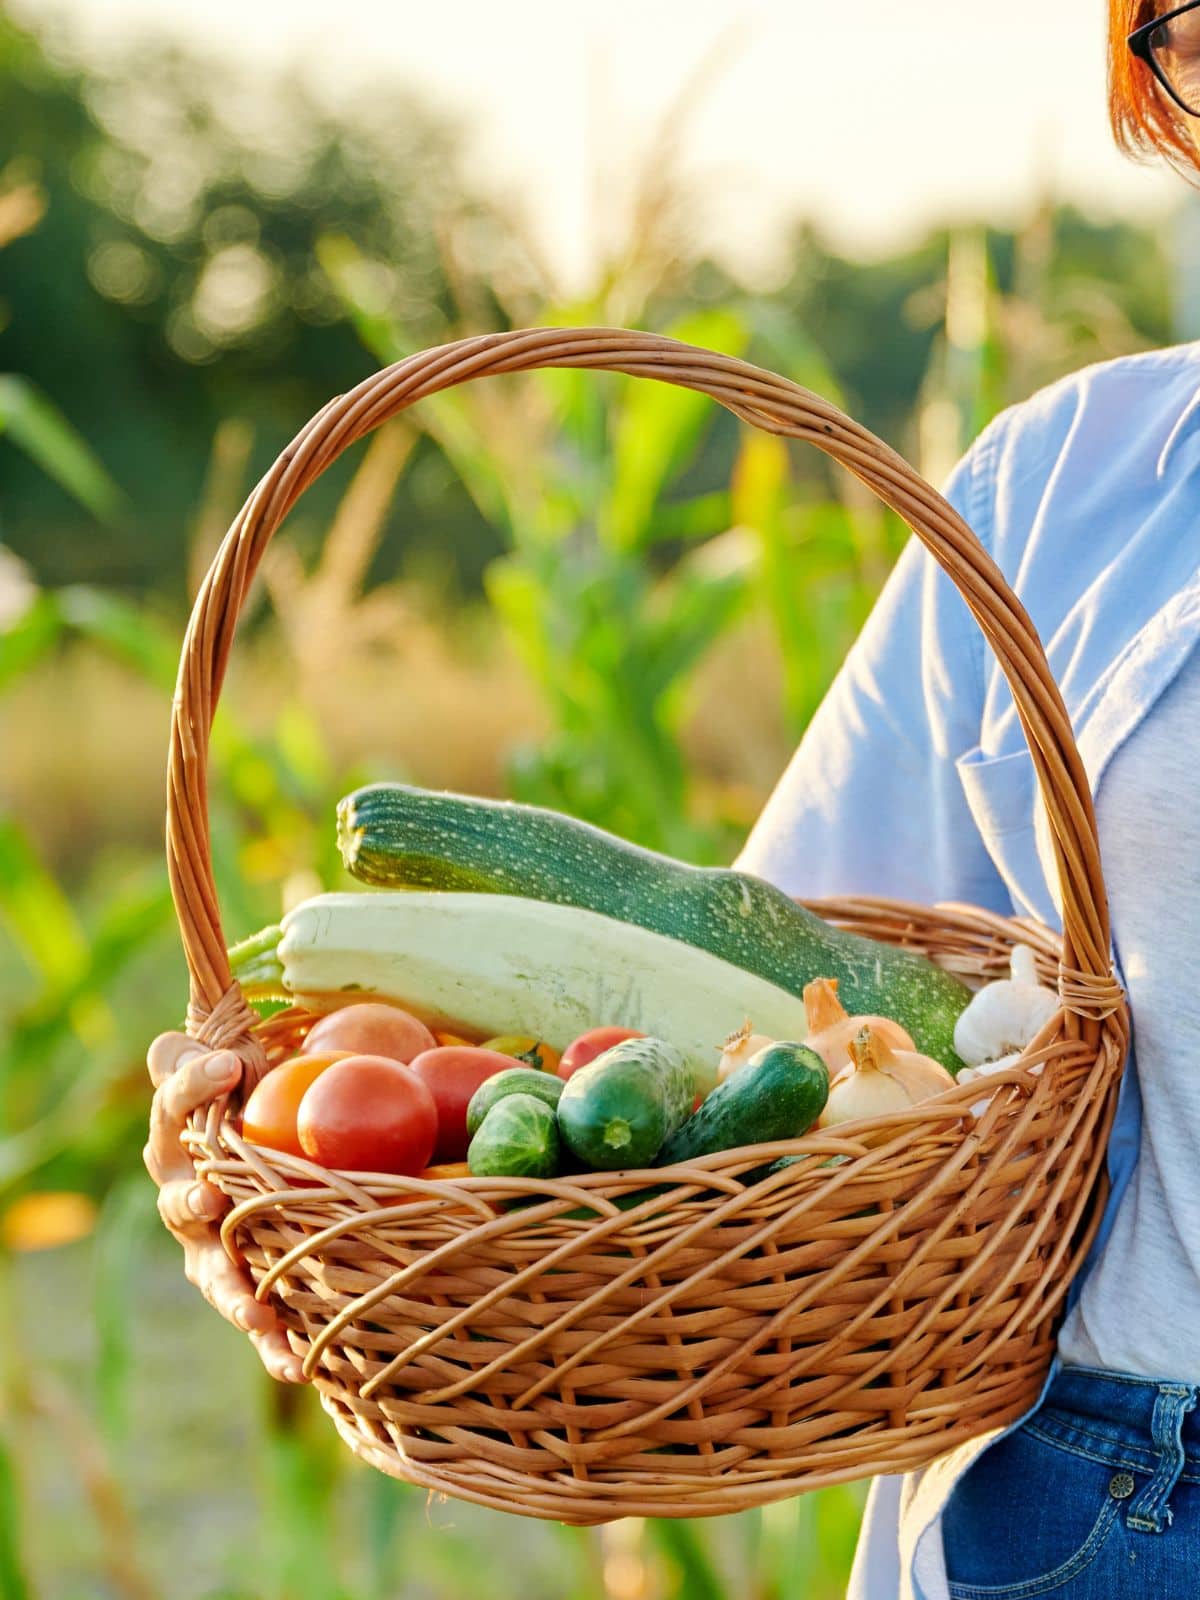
[(880, 1079), (738, 1049), (831, 1029)]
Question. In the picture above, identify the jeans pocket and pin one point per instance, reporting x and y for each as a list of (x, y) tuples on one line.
[(1025, 1519)]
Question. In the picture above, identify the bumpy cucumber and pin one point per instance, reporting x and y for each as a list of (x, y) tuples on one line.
[(517, 1139), (617, 1111), (542, 1086), (778, 1094), (393, 835)]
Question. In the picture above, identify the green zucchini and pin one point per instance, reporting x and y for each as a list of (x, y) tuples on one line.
[(517, 1139), (778, 1094), (617, 1111), (517, 1080), (393, 835)]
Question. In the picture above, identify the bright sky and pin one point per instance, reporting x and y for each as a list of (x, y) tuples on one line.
[(872, 116)]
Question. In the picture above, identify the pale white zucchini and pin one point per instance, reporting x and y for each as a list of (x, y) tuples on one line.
[(507, 965)]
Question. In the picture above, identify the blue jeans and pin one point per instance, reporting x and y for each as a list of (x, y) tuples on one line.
[(1095, 1497)]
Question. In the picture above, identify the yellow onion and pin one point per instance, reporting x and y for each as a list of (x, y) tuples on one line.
[(738, 1049), (831, 1029), (880, 1079)]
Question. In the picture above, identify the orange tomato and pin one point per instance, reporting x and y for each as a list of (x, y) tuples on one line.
[(270, 1114), (450, 1038), (371, 1028), (368, 1114)]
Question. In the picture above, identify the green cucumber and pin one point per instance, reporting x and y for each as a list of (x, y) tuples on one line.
[(617, 1111), (517, 1080), (393, 835), (778, 1094), (517, 1139)]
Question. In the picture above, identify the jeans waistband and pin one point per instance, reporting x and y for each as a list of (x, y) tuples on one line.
[(1120, 1408)]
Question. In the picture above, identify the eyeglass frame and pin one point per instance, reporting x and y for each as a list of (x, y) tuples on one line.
[(1139, 45)]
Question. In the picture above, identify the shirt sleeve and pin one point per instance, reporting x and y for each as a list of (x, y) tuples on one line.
[(872, 801)]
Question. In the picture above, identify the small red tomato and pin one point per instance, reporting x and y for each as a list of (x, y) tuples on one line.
[(452, 1074), (591, 1044), (368, 1114), (370, 1029), (270, 1114)]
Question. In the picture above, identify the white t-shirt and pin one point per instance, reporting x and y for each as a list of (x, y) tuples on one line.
[(1148, 810)]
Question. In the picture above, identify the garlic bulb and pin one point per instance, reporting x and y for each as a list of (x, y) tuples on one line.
[(881, 1079), (987, 1068), (1004, 1016), (738, 1049), (831, 1029)]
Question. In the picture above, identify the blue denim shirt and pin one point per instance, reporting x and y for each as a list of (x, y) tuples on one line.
[(1085, 495)]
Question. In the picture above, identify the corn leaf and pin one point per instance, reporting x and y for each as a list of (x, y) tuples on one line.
[(28, 638), (130, 631), (38, 914), (37, 426), (14, 1581), (658, 426)]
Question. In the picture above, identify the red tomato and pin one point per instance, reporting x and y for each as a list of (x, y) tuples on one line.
[(368, 1114), (370, 1029), (270, 1114), (453, 1073), (591, 1044)]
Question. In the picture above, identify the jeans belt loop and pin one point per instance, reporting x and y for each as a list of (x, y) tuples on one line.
[(1150, 1513)]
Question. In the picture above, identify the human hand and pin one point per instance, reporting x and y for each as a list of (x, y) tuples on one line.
[(186, 1076)]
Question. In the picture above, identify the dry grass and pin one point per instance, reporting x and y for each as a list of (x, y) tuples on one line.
[(442, 705)]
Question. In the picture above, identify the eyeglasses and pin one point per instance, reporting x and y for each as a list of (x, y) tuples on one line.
[(1170, 47)]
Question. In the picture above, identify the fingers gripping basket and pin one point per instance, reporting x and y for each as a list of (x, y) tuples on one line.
[(718, 1345)]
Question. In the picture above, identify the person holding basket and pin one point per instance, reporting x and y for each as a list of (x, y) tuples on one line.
[(1084, 497)]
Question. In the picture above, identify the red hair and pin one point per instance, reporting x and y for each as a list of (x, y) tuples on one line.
[(1145, 120)]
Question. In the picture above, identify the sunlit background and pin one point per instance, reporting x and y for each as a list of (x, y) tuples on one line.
[(602, 597)]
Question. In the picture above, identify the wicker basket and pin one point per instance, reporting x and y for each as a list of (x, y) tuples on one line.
[(720, 1345)]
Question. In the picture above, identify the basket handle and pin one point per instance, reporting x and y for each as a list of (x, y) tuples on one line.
[(218, 1013)]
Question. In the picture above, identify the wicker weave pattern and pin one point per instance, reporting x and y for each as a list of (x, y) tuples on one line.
[(717, 1345)]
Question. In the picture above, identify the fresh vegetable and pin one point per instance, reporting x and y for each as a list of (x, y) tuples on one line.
[(523, 1047), (580, 1052), (269, 1117), (447, 1172), (618, 1110), (452, 1074), (370, 1029), (514, 1080), (1006, 1015), (368, 1114), (518, 1138), (880, 1079), (391, 834), (443, 1036), (739, 1048), (830, 1028), (778, 1094), (506, 965)]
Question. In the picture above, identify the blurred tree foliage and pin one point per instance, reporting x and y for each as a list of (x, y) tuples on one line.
[(176, 280), (173, 280)]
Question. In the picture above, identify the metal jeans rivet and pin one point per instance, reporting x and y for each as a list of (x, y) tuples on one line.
[(1121, 1485)]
